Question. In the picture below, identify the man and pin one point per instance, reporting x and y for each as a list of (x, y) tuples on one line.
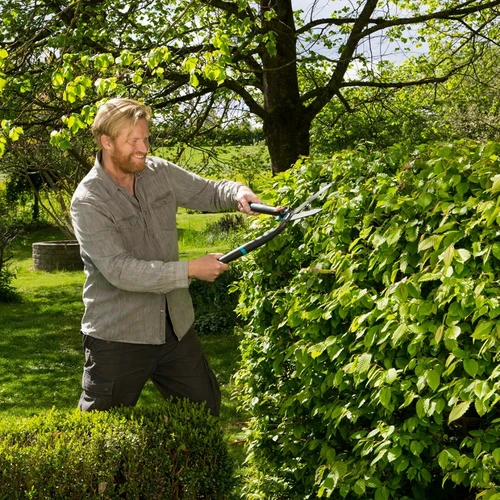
[(138, 319)]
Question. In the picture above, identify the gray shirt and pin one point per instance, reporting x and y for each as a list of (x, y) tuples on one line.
[(129, 247)]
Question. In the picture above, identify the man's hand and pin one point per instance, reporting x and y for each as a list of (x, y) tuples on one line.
[(207, 268), (244, 197)]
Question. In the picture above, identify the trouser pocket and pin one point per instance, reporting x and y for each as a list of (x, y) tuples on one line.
[(97, 392), (114, 373)]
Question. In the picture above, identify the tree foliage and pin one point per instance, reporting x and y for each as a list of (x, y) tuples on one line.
[(465, 106), (370, 365), (13, 221), (52, 176), (200, 63)]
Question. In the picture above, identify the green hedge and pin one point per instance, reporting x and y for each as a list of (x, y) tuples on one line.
[(215, 303), (370, 364), (169, 451)]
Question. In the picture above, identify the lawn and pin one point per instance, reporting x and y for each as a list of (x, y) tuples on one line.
[(41, 361)]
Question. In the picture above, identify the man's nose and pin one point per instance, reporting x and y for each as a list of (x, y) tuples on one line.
[(143, 145)]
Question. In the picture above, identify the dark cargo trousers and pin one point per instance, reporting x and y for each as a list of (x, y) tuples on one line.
[(115, 372)]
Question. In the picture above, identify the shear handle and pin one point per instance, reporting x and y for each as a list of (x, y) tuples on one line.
[(252, 245), (265, 209)]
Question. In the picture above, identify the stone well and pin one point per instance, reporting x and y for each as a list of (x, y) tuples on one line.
[(57, 255)]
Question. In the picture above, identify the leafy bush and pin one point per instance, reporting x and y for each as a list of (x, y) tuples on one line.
[(215, 303), (224, 228), (370, 365), (227, 223), (171, 451), (7, 291)]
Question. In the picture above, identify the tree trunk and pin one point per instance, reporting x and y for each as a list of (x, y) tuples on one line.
[(35, 215), (285, 129), (287, 137)]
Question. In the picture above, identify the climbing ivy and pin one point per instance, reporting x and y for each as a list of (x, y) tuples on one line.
[(370, 360)]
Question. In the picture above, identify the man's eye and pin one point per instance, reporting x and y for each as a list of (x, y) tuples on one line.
[(134, 142)]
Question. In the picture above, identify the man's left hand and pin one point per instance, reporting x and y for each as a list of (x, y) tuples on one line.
[(244, 197)]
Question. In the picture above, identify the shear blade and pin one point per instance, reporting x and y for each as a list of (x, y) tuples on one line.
[(307, 213)]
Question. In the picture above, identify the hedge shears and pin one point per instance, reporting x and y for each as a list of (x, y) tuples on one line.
[(284, 216)]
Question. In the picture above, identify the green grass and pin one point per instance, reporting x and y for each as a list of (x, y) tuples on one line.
[(221, 165), (192, 242), (42, 359)]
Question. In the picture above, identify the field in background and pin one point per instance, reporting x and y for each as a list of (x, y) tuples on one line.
[(247, 164)]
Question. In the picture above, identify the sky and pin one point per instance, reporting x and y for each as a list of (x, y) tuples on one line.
[(375, 46)]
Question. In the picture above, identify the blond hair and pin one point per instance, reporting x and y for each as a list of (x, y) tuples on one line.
[(114, 114)]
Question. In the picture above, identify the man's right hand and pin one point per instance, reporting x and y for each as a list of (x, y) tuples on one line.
[(207, 268)]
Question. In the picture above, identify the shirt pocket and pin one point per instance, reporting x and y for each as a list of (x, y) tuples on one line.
[(164, 210), (132, 232)]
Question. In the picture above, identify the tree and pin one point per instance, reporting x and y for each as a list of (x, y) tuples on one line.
[(189, 59), (383, 117), (50, 175), (12, 224), (470, 103)]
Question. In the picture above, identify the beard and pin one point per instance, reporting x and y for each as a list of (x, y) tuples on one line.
[(128, 163)]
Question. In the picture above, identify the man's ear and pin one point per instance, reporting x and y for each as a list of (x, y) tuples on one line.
[(106, 142)]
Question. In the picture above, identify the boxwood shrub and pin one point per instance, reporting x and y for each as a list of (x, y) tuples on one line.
[(370, 362), (170, 451)]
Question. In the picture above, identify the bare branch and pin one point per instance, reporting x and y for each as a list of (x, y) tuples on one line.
[(379, 23), (455, 13)]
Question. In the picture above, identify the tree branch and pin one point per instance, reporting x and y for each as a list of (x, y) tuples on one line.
[(454, 13), (231, 8), (325, 94)]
